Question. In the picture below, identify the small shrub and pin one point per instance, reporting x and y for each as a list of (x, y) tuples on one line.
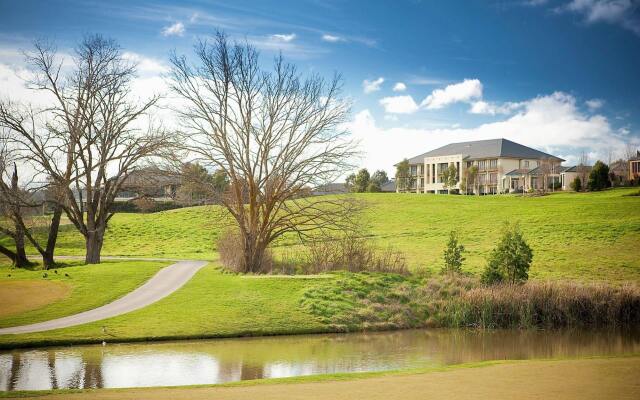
[(353, 254), (576, 185), (453, 255), (510, 260)]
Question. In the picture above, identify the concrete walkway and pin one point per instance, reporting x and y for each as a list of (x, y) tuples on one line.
[(162, 284)]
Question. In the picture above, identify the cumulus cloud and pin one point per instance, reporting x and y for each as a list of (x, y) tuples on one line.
[(284, 37), (176, 29), (489, 108), (399, 87), (464, 91), (399, 104), (594, 104), (145, 64), (551, 123), (372, 86), (621, 12), (332, 38)]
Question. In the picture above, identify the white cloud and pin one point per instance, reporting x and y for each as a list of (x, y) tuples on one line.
[(464, 91), (399, 87), (399, 104), (488, 108), (284, 37), (622, 12), (176, 29), (372, 86), (146, 64), (332, 38), (551, 123), (594, 104)]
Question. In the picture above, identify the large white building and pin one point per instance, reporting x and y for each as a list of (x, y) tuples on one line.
[(501, 166)]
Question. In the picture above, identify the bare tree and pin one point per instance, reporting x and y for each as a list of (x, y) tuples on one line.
[(87, 144), (10, 207), (273, 134), (583, 168)]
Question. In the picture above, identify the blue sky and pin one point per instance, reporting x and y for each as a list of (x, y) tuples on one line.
[(560, 76)]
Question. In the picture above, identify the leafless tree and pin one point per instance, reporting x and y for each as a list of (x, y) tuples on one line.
[(274, 134), (583, 168), (87, 144), (11, 210)]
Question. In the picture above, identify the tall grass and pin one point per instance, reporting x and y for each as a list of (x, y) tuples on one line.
[(384, 301), (545, 305)]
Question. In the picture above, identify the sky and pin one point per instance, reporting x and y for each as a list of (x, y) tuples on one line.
[(562, 76)]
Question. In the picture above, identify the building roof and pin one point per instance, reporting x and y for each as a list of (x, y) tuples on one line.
[(389, 186), (575, 168), (492, 148)]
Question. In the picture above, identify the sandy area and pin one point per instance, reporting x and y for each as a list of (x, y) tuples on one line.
[(567, 379), (19, 296)]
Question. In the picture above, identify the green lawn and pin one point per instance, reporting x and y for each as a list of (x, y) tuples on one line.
[(91, 286), (583, 236), (592, 236), (212, 304)]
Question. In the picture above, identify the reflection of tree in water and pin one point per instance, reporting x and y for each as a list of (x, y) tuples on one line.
[(248, 371), (15, 369)]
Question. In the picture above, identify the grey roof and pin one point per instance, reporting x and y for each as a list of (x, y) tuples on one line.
[(575, 168), (492, 148), (389, 186)]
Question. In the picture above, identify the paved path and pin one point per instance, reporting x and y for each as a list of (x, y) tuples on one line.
[(162, 284)]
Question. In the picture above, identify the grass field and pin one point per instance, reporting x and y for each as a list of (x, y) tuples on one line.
[(581, 236), (85, 287), (212, 304), (587, 237)]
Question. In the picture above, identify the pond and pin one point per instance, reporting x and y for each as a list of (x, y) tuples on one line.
[(228, 360)]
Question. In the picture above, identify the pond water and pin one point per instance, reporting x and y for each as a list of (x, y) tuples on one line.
[(228, 360)]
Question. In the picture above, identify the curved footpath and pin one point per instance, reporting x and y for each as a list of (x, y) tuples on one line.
[(162, 284)]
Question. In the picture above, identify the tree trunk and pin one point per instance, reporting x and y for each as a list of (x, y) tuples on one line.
[(94, 242), (19, 261), (47, 256)]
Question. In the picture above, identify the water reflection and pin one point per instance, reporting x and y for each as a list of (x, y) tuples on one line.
[(218, 361)]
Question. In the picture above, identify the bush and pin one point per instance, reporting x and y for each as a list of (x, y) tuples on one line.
[(352, 254), (231, 253), (599, 177), (510, 260), (453, 255), (576, 185)]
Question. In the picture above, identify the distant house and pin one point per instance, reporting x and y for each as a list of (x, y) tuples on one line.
[(569, 174), (502, 166), (150, 182), (330, 188), (634, 167)]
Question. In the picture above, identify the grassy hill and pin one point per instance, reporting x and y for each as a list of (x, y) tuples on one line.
[(584, 236)]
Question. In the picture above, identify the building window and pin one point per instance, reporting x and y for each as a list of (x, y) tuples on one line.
[(525, 163), (414, 170), (482, 165), (493, 179), (493, 164)]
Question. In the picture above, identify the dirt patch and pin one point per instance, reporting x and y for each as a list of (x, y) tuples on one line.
[(571, 379), (20, 296)]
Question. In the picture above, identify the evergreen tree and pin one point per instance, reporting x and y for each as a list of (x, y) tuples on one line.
[(599, 176), (453, 255), (510, 260)]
